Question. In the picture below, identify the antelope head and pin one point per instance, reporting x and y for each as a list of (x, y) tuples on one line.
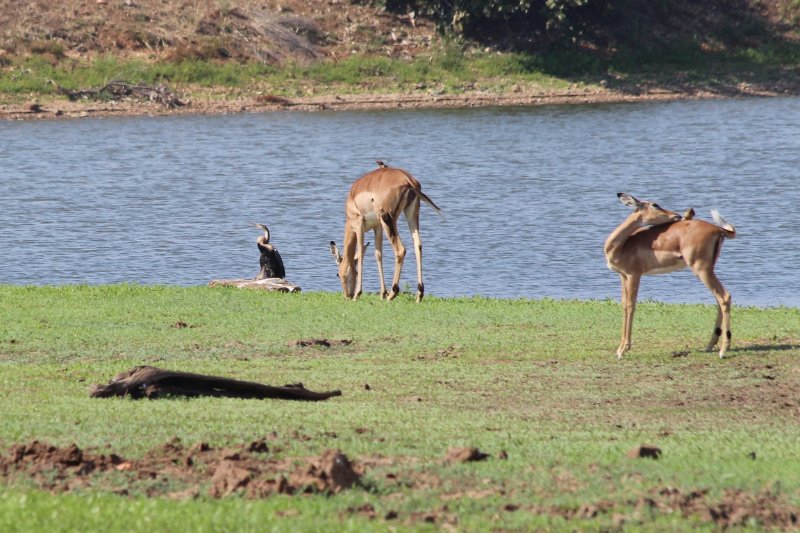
[(648, 213), (347, 266)]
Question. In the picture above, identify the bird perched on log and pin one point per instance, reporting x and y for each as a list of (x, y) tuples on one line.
[(270, 261)]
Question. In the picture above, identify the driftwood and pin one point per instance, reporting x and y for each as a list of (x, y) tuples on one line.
[(267, 284), (117, 90), (151, 382)]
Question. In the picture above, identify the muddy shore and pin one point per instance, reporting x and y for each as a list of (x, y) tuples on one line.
[(63, 108)]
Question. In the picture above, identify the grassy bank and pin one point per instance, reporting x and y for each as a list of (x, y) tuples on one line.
[(448, 69), (533, 381)]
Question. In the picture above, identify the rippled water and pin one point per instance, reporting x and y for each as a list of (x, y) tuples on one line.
[(529, 195)]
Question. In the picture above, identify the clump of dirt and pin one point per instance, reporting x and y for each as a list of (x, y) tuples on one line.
[(248, 470), (645, 451), (55, 469), (331, 472), (465, 455), (736, 508), (321, 343)]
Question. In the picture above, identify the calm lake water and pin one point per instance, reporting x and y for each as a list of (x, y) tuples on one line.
[(528, 194)]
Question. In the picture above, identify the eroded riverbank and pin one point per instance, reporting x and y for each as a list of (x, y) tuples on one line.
[(210, 105)]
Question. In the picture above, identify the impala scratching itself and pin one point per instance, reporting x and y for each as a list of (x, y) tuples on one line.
[(653, 240), (375, 202)]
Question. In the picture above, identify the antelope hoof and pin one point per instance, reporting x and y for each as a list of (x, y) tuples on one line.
[(392, 295), (384, 295), (395, 292)]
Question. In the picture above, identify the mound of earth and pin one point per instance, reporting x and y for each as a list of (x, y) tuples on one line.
[(249, 470), (253, 471)]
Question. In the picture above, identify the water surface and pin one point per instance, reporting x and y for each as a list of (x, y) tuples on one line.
[(528, 194)]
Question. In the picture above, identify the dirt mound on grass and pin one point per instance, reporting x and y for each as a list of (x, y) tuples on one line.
[(253, 471), (175, 471), (734, 509)]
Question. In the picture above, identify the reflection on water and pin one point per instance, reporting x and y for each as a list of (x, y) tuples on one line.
[(528, 194)]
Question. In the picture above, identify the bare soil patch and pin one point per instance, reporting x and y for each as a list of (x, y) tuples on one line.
[(320, 343), (179, 472), (734, 509), (253, 471)]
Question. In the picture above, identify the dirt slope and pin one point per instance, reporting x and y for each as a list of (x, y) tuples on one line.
[(297, 31), (272, 31)]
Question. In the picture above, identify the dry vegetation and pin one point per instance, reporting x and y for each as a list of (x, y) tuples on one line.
[(270, 31), (746, 47)]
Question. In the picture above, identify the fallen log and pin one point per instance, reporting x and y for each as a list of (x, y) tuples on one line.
[(151, 382), (267, 284)]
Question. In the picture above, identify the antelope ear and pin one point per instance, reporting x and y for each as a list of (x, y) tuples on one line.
[(629, 200), (335, 252)]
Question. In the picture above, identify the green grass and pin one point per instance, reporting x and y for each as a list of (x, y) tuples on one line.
[(536, 379), (448, 69)]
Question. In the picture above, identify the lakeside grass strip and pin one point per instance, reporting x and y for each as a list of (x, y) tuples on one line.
[(445, 70), (535, 379)]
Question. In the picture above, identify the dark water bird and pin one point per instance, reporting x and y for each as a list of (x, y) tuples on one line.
[(270, 261)]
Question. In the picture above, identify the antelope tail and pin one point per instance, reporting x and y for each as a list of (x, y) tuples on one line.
[(416, 187), (424, 197), (727, 227)]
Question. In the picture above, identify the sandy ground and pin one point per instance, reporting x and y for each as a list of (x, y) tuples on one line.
[(63, 108)]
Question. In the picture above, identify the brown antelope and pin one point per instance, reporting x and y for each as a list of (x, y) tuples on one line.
[(375, 202), (653, 240)]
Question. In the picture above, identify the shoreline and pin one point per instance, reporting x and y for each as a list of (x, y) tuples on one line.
[(299, 292), (57, 108)]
